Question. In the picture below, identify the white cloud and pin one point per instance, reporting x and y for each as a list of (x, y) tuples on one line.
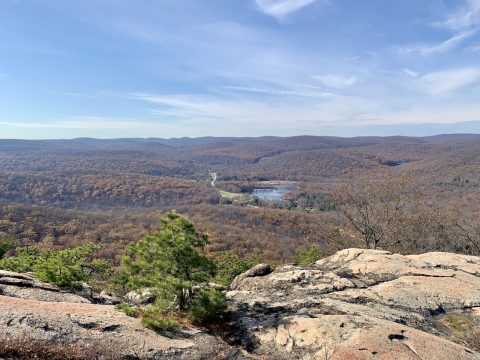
[(410, 72), (336, 81), (464, 23), (317, 94), (428, 49), (207, 115), (283, 115), (451, 43), (450, 80), (466, 17), (281, 8), (239, 115)]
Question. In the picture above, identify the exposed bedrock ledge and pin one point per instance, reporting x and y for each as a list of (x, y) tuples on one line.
[(357, 304), (103, 327), (361, 303)]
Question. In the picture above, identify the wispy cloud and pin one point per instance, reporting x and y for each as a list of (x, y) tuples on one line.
[(465, 17), (336, 81), (211, 68), (312, 93), (281, 8), (443, 47), (93, 95), (464, 23), (410, 72), (200, 114), (450, 80), (281, 113)]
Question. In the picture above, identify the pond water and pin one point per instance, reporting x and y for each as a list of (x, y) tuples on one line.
[(272, 193)]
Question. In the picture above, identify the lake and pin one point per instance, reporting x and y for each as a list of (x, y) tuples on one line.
[(272, 193)]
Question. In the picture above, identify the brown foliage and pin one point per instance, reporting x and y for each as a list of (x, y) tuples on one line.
[(66, 193)]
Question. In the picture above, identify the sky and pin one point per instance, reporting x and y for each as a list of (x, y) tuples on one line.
[(175, 68)]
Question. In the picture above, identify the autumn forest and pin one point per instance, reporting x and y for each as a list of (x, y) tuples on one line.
[(398, 193)]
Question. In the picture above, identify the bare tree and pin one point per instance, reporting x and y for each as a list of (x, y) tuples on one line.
[(467, 225), (373, 204), (424, 228)]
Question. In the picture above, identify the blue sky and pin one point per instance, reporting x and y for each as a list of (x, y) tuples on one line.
[(172, 68)]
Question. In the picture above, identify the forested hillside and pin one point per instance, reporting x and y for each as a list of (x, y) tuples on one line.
[(60, 193)]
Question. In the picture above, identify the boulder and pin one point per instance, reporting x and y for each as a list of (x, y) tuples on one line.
[(141, 297), (104, 297), (107, 298), (257, 270)]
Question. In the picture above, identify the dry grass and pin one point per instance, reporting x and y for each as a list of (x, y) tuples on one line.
[(472, 339), (26, 350), (458, 324), (464, 329)]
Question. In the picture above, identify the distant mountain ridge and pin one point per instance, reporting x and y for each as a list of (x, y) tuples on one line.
[(299, 142)]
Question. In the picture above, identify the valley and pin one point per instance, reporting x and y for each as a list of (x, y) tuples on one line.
[(271, 195)]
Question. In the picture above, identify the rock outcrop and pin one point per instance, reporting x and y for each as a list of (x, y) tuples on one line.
[(25, 286), (360, 304), (357, 304), (34, 312), (103, 327)]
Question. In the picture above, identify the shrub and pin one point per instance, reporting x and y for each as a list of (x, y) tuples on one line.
[(5, 246), (24, 261), (156, 318), (308, 255), (128, 310), (67, 268), (70, 267), (230, 265), (207, 306)]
